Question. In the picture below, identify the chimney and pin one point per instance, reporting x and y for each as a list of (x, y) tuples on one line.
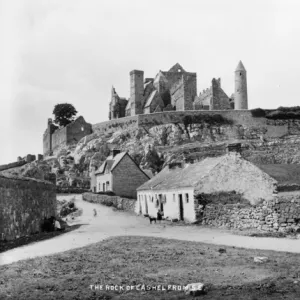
[(237, 147), (114, 152)]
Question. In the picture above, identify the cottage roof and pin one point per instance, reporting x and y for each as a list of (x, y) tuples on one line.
[(110, 163), (187, 176)]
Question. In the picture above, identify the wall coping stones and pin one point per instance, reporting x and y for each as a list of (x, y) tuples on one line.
[(21, 178)]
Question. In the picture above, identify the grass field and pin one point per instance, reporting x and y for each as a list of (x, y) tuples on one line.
[(230, 273), (283, 173)]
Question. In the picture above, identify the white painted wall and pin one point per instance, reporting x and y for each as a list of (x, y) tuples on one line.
[(171, 207), (103, 178)]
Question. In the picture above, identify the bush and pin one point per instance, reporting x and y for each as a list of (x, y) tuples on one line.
[(283, 115), (108, 193), (221, 198), (258, 113), (215, 119), (289, 109)]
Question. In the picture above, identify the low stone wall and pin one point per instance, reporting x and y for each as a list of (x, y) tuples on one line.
[(24, 202), (280, 214), (12, 165), (115, 201), (115, 124), (70, 190)]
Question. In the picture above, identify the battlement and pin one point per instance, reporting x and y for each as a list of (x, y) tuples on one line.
[(205, 93)]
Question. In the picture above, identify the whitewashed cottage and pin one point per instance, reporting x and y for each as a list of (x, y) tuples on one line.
[(173, 190)]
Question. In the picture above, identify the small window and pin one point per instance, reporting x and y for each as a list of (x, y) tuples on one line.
[(187, 198), (174, 198)]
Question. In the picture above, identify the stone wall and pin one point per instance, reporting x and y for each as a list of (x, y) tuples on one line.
[(280, 214), (12, 165), (220, 99), (59, 137), (127, 177), (113, 125), (115, 201), (239, 117), (72, 133), (24, 203)]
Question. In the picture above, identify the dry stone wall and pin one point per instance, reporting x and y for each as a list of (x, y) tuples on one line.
[(280, 214), (24, 202), (115, 201)]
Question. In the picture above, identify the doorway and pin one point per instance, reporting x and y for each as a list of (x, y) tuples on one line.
[(161, 205), (146, 205), (140, 207), (181, 215)]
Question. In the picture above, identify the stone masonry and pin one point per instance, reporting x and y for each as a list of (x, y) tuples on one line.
[(280, 214), (127, 177), (24, 202), (115, 201)]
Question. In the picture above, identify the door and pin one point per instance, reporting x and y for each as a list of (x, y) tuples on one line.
[(146, 205), (181, 215), (140, 205), (161, 205)]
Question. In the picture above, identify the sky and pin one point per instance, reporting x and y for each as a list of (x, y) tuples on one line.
[(57, 51)]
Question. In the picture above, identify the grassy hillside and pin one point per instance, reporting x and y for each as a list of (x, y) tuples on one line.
[(283, 173)]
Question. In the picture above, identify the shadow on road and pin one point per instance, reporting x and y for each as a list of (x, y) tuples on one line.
[(37, 237)]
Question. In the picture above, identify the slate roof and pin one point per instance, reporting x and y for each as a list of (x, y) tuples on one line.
[(188, 176), (110, 163)]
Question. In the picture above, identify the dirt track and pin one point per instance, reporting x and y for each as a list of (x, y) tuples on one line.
[(109, 223)]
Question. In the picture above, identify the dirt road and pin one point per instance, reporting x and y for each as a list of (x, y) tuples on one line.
[(110, 223)]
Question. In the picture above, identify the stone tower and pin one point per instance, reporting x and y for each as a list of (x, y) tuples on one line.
[(136, 92), (240, 94)]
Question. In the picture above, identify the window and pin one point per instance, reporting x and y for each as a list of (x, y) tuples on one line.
[(99, 188), (187, 198), (174, 198)]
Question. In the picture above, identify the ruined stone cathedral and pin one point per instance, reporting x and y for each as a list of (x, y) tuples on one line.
[(176, 89)]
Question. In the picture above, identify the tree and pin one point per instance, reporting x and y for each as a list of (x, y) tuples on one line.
[(64, 114)]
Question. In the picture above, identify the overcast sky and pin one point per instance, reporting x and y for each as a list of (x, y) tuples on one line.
[(74, 50)]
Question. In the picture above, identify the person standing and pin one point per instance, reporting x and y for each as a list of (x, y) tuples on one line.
[(159, 215)]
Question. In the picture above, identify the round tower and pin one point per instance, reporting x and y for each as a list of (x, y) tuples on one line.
[(240, 93)]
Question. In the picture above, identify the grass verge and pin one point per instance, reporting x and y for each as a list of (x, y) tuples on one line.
[(230, 272)]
